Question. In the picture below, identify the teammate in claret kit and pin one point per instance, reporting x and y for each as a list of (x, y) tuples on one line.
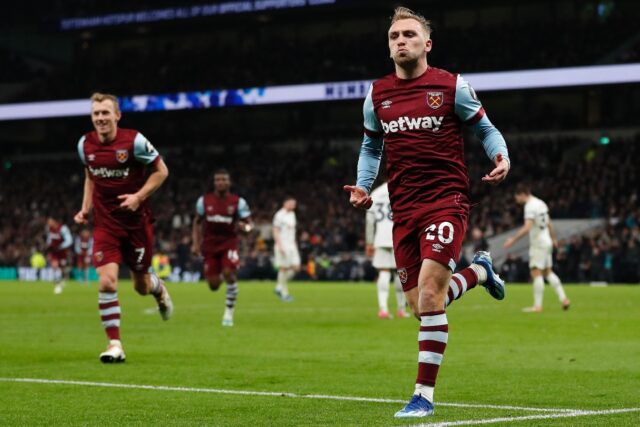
[(220, 214), (83, 247), (58, 243), (116, 187)]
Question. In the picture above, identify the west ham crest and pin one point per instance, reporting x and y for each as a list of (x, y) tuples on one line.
[(435, 99), (99, 255), (402, 275), (122, 155)]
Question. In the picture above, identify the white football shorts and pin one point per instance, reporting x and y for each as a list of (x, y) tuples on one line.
[(540, 258), (288, 258), (383, 259)]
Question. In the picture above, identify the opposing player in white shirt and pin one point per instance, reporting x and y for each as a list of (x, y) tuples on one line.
[(379, 238), (287, 258), (541, 243)]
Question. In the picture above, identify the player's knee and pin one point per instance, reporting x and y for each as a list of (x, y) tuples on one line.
[(431, 289), (429, 293), (107, 283), (214, 283), (229, 276)]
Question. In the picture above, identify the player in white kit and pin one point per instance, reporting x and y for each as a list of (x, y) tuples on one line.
[(379, 238), (541, 242), (287, 257)]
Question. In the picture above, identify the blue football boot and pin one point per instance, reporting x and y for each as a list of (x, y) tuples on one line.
[(417, 407), (494, 284)]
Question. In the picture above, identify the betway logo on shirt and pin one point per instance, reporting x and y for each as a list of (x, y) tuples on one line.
[(410, 123), (220, 218), (109, 173)]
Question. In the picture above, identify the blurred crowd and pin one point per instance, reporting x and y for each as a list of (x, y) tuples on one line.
[(577, 178)]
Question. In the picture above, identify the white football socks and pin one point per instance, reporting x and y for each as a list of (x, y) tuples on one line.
[(556, 284), (282, 286), (425, 391), (383, 289), (538, 291)]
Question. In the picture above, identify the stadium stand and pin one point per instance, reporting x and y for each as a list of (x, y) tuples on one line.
[(185, 56)]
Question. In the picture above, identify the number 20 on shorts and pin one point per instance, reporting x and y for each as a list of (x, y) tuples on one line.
[(445, 232)]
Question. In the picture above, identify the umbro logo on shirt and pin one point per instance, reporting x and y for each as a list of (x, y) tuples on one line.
[(387, 104)]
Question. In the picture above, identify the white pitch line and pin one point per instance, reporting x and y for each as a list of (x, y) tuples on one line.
[(268, 393), (528, 417), (504, 407)]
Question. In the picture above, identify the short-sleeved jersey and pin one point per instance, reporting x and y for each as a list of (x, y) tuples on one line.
[(379, 217), (537, 211), (221, 215), (286, 222), (58, 237), (117, 167), (421, 121), (83, 246)]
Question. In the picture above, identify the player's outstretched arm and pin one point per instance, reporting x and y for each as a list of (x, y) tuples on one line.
[(82, 217), (469, 109), (499, 173), (359, 198)]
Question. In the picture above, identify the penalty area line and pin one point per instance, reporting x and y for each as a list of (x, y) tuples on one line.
[(572, 414), (270, 393)]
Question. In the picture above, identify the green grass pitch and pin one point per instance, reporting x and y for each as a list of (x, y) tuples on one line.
[(510, 367)]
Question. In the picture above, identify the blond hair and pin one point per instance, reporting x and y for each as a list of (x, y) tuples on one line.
[(406, 13), (99, 97)]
